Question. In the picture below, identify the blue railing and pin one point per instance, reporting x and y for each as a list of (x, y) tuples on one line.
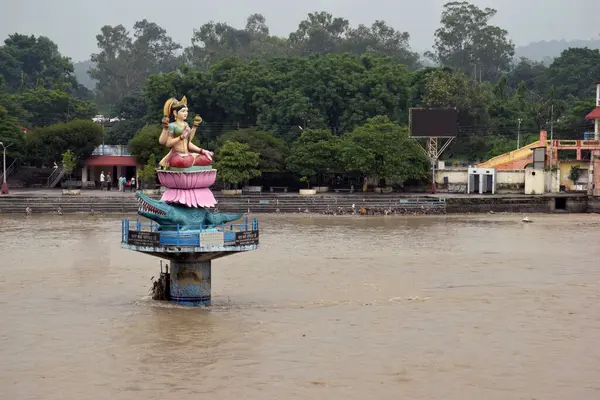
[(179, 237)]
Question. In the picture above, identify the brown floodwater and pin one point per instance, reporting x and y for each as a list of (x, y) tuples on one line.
[(442, 307)]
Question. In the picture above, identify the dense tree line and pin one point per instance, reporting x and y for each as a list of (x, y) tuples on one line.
[(325, 89), (38, 88), (329, 75)]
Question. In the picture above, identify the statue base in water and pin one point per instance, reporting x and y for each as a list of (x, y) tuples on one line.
[(190, 283), (190, 253)]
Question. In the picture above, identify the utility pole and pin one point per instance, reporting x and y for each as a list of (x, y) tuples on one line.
[(551, 145), (552, 122), (519, 134)]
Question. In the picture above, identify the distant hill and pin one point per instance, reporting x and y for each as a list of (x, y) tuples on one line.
[(546, 51), (82, 76)]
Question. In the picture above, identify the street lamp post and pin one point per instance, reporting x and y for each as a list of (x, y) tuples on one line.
[(4, 184), (519, 134)]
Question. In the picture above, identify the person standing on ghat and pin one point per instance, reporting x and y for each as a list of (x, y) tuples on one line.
[(102, 180)]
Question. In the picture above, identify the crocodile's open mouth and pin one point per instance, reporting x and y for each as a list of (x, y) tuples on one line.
[(143, 206)]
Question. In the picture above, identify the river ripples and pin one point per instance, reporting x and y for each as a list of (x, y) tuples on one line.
[(433, 307)]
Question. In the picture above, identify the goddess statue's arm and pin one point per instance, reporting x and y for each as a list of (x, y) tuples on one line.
[(191, 145), (199, 150), (197, 121), (166, 137)]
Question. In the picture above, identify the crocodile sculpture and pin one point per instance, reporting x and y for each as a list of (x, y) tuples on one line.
[(168, 216)]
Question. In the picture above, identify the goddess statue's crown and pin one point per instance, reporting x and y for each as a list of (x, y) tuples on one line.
[(173, 103)]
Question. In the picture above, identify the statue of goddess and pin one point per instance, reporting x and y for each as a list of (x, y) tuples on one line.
[(177, 136)]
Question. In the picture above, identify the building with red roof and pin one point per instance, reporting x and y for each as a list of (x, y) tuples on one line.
[(113, 159)]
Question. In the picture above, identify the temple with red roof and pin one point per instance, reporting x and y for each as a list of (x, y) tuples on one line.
[(113, 159)]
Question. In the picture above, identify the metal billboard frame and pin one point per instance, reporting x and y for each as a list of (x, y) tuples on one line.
[(432, 148)]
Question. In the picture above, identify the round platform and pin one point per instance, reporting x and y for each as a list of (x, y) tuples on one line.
[(187, 179)]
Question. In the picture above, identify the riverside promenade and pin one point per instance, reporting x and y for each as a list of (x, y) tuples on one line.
[(23, 200)]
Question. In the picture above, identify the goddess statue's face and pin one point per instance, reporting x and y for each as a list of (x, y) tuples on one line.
[(181, 114)]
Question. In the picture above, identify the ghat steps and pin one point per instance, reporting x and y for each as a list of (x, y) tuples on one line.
[(333, 204), (294, 203)]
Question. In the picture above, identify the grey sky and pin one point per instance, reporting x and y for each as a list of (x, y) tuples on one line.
[(73, 24)]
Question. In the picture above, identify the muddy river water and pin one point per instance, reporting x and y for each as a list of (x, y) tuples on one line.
[(443, 307)]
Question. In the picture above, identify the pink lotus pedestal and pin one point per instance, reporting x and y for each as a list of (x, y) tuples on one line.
[(189, 188)]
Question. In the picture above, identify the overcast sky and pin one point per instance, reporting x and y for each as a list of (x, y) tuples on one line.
[(73, 24)]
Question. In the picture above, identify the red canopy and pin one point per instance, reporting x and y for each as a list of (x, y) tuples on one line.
[(111, 161), (595, 114)]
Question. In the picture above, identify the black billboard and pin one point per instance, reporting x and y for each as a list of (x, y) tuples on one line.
[(433, 122)]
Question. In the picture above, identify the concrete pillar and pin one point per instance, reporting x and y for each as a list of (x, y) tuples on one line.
[(595, 178), (84, 174), (190, 283), (468, 183), (482, 182)]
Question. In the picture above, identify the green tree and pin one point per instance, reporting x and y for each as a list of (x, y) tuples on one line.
[(147, 173), (574, 72), (236, 163), (37, 83), (319, 33), (216, 41), (467, 42), (315, 153), (272, 150), (46, 145), (27, 62), (123, 131), (573, 122), (383, 150), (335, 92), (11, 136), (123, 63), (43, 107), (133, 112), (69, 162), (456, 90), (145, 144), (533, 75), (235, 87), (508, 113), (381, 40), (574, 174)]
